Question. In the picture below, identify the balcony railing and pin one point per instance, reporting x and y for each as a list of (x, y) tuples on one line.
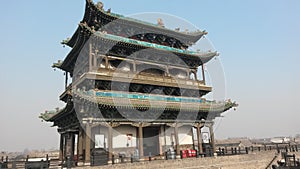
[(147, 78)]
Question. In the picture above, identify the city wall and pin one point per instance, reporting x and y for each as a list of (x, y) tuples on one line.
[(255, 160)]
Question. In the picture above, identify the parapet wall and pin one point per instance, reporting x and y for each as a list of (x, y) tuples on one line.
[(256, 160)]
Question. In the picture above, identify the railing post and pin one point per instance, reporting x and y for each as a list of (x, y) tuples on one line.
[(210, 152), (69, 162), (246, 150), (122, 158), (113, 159), (14, 164), (47, 160), (166, 155), (231, 150), (293, 148)]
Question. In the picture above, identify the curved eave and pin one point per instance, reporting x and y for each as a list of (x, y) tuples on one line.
[(49, 116), (54, 116), (204, 56), (187, 38), (46, 116), (69, 61), (86, 31), (108, 102), (72, 41)]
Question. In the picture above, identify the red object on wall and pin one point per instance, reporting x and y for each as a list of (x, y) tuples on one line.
[(191, 153), (194, 153), (184, 153)]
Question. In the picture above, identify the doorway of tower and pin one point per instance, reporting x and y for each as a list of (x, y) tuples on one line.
[(151, 141)]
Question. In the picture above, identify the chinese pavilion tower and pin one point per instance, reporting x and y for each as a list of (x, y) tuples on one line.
[(135, 91)]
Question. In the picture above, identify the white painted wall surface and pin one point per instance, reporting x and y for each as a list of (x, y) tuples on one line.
[(185, 135), (120, 139)]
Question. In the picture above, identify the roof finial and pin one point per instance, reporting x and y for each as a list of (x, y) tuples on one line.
[(100, 5), (93, 29), (160, 22)]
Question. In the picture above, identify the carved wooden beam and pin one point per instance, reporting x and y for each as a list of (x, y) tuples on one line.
[(140, 124)]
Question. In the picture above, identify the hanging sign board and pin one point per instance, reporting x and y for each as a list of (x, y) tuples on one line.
[(99, 141)]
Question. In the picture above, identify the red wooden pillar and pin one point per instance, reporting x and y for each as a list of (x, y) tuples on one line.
[(199, 137), (212, 137), (80, 144), (203, 74), (87, 140), (141, 147), (176, 140), (61, 147), (110, 143)]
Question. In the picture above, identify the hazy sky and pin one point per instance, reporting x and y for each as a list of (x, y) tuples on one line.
[(259, 42)]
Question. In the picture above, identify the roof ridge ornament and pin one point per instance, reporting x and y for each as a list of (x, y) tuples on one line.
[(160, 22), (108, 11), (100, 5)]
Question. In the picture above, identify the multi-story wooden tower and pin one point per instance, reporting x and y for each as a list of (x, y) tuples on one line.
[(135, 90)]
